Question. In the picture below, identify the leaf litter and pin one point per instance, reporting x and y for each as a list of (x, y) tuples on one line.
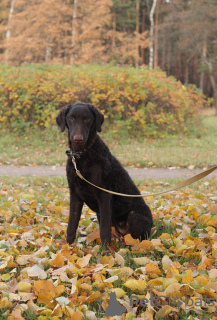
[(174, 272)]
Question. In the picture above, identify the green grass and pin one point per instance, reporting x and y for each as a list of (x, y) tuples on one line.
[(47, 147)]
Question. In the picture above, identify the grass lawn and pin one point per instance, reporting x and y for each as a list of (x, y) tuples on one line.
[(41, 277), (48, 147)]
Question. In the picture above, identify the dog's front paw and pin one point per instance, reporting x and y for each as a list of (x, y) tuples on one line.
[(70, 239)]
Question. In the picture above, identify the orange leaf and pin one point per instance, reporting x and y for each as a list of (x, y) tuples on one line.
[(16, 315), (131, 242), (58, 262), (146, 245), (93, 236), (83, 262), (207, 263), (93, 297), (44, 285), (76, 316), (152, 268)]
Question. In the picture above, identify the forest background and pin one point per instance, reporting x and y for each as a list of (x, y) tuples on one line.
[(178, 36)]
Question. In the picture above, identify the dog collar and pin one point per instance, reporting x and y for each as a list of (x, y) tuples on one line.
[(71, 153)]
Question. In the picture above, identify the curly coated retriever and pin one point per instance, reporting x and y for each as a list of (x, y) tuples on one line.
[(99, 166)]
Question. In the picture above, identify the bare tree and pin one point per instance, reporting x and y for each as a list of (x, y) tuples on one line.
[(151, 48)]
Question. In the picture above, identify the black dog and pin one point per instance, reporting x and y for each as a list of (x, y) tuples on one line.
[(99, 166)]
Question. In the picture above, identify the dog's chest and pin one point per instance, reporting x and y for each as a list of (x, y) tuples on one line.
[(82, 188)]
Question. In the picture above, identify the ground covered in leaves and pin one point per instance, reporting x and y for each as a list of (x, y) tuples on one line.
[(173, 275)]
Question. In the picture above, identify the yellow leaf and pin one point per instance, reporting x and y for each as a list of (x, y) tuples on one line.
[(6, 276), (166, 262), (168, 281), (119, 259), (136, 285), (5, 303), (165, 236), (60, 289), (173, 288), (108, 260), (147, 315), (164, 311), (85, 287), (119, 292), (172, 272), (24, 286), (111, 279), (213, 223), (188, 278), (141, 261), (181, 249)]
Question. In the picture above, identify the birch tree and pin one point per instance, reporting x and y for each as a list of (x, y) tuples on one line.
[(8, 32), (151, 48)]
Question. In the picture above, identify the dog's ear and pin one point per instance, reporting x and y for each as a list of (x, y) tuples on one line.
[(98, 116), (61, 118)]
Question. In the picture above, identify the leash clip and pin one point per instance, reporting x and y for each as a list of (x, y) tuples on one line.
[(76, 169), (74, 162)]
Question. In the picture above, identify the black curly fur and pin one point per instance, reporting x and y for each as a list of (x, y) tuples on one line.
[(98, 165)]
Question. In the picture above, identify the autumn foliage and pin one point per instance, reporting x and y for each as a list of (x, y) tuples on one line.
[(175, 271), (138, 100)]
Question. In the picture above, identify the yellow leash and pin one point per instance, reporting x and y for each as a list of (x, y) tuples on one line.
[(195, 178)]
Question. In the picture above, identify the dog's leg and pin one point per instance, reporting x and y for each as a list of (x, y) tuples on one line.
[(76, 205), (98, 217), (105, 218)]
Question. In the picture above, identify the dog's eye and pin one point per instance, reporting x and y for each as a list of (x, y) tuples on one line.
[(71, 118), (87, 120)]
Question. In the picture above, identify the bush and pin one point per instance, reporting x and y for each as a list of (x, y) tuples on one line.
[(144, 102)]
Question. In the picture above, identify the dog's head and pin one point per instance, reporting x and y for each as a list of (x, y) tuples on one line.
[(82, 121)]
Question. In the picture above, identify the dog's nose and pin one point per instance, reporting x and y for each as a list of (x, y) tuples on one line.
[(78, 139)]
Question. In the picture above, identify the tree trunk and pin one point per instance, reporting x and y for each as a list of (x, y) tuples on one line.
[(213, 84), (48, 51), (143, 29), (151, 49), (156, 39), (163, 63), (8, 32), (73, 30), (186, 73), (204, 51), (113, 30), (137, 33)]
